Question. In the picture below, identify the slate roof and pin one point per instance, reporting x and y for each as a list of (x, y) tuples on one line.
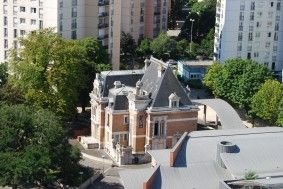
[(127, 77), (162, 87), (118, 96)]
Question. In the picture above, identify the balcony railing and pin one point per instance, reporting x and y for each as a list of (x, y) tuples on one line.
[(100, 26), (103, 3), (103, 14), (102, 37)]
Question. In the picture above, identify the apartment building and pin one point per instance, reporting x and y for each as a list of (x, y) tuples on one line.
[(140, 18), (250, 29), (133, 111), (74, 19), (71, 18)]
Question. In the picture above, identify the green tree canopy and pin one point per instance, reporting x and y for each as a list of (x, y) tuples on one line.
[(280, 114), (211, 75), (207, 44), (33, 148), (51, 70), (144, 47), (238, 80), (162, 45), (3, 74), (265, 102), (128, 44), (182, 46)]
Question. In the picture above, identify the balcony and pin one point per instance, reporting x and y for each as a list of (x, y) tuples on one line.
[(102, 14), (157, 13), (102, 25), (103, 3), (102, 37)]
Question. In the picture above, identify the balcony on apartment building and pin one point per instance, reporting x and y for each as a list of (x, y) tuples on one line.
[(103, 3), (157, 12), (103, 14), (101, 37), (102, 25)]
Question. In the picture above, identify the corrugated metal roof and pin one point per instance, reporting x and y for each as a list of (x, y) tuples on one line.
[(226, 113)]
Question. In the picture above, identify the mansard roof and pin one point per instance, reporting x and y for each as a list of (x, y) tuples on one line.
[(162, 86), (158, 81), (127, 77)]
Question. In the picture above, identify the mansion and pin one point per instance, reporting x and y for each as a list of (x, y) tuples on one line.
[(134, 111)]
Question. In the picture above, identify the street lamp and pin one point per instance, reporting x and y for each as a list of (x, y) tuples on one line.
[(192, 25), (103, 156)]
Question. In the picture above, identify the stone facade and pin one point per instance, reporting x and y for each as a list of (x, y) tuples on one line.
[(140, 110)]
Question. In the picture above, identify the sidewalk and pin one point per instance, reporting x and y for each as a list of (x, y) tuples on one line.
[(93, 154)]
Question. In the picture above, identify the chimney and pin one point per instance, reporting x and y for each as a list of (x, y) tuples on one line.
[(225, 147), (97, 76), (160, 70), (117, 84), (138, 87), (146, 63)]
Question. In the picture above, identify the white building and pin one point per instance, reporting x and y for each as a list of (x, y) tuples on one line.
[(250, 29), (74, 19), (71, 18)]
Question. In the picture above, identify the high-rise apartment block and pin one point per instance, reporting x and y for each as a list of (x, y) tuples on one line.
[(74, 19), (140, 18), (250, 29), (70, 18)]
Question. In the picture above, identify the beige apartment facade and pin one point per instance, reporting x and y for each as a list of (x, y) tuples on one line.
[(73, 19), (138, 110), (140, 18)]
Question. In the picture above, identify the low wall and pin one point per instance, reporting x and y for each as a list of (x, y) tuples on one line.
[(175, 150), (148, 183)]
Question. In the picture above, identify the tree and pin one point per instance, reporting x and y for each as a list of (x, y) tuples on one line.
[(3, 73), (163, 45), (266, 100), (95, 59), (144, 47), (182, 46), (128, 44), (207, 44), (280, 114), (175, 13), (33, 148), (203, 12), (211, 75), (238, 81), (128, 50), (11, 95), (51, 70)]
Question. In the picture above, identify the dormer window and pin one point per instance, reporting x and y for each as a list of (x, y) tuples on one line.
[(174, 100)]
